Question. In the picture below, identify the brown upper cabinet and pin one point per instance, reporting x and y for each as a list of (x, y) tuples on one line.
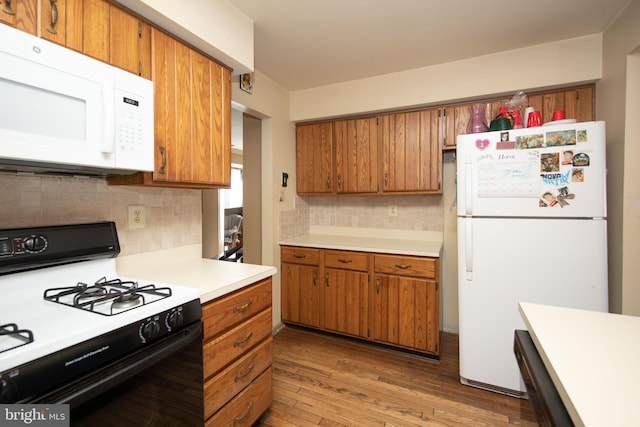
[(578, 103), (96, 28), (192, 102), (411, 156), (389, 154), (20, 14), (356, 155), (314, 158)]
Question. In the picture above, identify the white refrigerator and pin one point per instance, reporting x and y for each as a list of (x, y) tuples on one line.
[(531, 227)]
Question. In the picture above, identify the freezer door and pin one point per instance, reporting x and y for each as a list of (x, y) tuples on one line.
[(548, 171), (504, 261)]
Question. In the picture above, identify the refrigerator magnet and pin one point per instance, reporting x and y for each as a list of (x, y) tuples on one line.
[(577, 175), (505, 145), (527, 142), (581, 159), (482, 144), (583, 136)]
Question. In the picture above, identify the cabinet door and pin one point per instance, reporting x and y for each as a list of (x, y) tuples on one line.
[(578, 104), (405, 312), (129, 43), (301, 294), (345, 302), (95, 29), (192, 101), (20, 14), (356, 155), (61, 22), (314, 158), (411, 154)]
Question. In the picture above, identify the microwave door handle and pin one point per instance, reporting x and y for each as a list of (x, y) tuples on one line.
[(108, 123)]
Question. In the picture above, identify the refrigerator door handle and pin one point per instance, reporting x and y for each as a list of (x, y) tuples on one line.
[(468, 182), (468, 263)]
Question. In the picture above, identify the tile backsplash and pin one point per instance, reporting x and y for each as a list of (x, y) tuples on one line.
[(173, 216), (413, 212)]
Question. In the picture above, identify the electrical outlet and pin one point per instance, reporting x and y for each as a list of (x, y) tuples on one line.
[(393, 210), (137, 217)]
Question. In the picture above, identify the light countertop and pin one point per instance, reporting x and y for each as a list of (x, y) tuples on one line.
[(402, 242), (184, 266), (593, 359)]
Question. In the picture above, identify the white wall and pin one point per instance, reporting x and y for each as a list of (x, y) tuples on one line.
[(617, 91), (554, 64), (270, 103)]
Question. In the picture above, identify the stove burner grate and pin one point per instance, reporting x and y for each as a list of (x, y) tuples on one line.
[(119, 295), (25, 336)]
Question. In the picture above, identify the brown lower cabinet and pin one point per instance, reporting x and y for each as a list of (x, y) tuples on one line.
[(384, 298), (237, 354)]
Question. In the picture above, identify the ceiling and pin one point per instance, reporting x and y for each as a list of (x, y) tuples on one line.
[(302, 44)]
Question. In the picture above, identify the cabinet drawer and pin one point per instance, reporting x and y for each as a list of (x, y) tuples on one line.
[(231, 310), (225, 348), (246, 407), (221, 388), (346, 260), (406, 266), (296, 255)]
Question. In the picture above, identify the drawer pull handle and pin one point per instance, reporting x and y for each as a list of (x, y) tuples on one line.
[(240, 342), (54, 17), (241, 376), (7, 8), (403, 266), (239, 419), (164, 160), (345, 260), (243, 306), (299, 256)]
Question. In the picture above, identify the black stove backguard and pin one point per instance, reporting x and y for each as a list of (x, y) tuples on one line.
[(23, 249)]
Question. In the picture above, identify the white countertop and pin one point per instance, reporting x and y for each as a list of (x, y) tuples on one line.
[(593, 359), (184, 266), (402, 242)]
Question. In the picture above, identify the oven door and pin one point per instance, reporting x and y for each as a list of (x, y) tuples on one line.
[(544, 397), (159, 385)]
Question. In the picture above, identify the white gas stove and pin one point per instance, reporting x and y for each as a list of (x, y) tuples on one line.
[(65, 311)]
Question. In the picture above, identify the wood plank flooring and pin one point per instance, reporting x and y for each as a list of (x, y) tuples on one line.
[(324, 380)]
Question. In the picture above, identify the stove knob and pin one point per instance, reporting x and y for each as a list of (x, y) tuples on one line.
[(7, 391), (150, 329), (34, 244), (174, 320)]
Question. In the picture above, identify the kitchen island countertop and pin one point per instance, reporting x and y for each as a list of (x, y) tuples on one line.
[(400, 242), (592, 358), (184, 266)]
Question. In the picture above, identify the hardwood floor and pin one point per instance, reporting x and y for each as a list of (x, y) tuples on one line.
[(323, 380)]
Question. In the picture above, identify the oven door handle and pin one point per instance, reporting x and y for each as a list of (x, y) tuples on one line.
[(96, 383)]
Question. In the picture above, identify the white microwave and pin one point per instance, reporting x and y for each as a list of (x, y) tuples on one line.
[(61, 111)]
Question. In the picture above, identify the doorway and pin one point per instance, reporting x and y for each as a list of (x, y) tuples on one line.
[(246, 143)]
